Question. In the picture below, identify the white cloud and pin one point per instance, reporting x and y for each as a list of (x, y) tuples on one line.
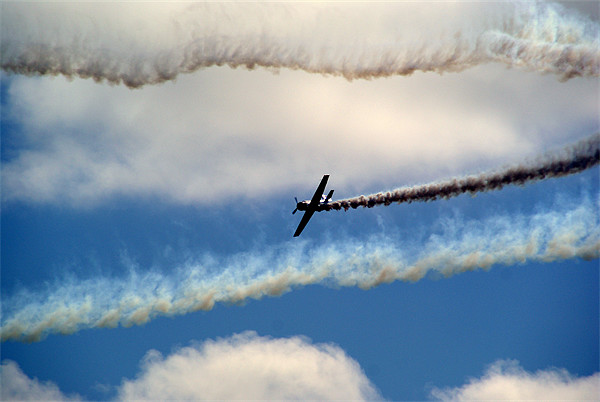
[(232, 133), (150, 44), (506, 380), (246, 366), (221, 132), (249, 367), (16, 386)]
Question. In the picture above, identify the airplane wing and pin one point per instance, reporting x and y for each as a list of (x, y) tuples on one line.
[(307, 215), (319, 193)]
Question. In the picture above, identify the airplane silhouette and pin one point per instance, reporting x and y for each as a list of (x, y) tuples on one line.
[(317, 203)]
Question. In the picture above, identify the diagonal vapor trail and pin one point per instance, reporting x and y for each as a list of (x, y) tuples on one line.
[(570, 160), (122, 45), (562, 232)]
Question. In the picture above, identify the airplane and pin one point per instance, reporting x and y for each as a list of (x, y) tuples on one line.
[(317, 203)]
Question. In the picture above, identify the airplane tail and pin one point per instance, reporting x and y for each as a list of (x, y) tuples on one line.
[(329, 196)]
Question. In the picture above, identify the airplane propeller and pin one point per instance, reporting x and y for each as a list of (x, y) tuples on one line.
[(294, 211)]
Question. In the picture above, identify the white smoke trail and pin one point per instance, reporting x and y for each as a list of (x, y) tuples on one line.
[(570, 160), (139, 44), (568, 231)]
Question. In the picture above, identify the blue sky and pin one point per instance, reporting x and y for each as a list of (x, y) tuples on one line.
[(147, 233)]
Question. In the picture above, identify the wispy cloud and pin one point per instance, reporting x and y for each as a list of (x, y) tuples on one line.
[(565, 232)]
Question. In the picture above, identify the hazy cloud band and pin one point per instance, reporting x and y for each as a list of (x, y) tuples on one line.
[(136, 45)]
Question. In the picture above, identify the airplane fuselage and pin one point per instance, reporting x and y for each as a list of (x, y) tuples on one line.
[(303, 205)]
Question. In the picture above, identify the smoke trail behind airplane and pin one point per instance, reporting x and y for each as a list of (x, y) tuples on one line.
[(570, 160), (150, 44), (569, 230)]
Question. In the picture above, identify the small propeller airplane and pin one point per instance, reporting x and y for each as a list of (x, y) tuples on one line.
[(317, 203)]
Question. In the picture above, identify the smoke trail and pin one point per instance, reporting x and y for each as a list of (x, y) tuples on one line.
[(568, 231), (153, 43), (573, 159)]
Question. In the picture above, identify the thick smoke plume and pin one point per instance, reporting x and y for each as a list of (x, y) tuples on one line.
[(573, 159), (140, 44), (568, 231)]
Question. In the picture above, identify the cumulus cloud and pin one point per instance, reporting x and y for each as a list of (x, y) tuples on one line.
[(17, 386), (242, 367), (247, 366), (506, 380)]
